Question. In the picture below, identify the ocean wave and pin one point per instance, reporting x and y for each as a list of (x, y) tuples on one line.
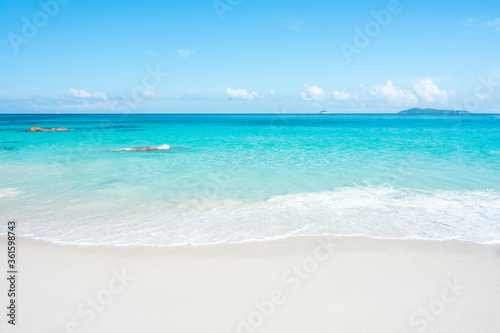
[(9, 192), (152, 148), (378, 212)]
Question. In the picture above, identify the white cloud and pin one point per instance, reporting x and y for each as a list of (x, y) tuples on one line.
[(429, 92), (100, 95), (340, 95), (495, 24), (394, 95), (79, 93), (241, 94), (185, 53), (272, 92), (149, 93), (85, 94), (313, 93)]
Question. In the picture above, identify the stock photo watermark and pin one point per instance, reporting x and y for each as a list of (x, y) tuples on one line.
[(31, 26), (12, 273), (139, 93), (292, 278), (216, 182), (222, 6), (421, 319), (485, 89), (89, 309), (364, 36), (127, 102)]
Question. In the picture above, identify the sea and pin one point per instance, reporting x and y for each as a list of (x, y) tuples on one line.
[(229, 178)]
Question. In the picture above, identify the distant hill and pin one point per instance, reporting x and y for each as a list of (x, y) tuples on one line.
[(432, 111)]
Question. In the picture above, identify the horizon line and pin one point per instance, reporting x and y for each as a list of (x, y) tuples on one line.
[(255, 113)]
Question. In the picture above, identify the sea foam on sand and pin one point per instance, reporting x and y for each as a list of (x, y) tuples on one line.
[(381, 212), (299, 284)]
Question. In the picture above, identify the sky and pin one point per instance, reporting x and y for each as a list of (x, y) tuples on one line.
[(248, 56)]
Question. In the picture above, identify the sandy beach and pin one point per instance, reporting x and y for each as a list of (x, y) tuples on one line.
[(234, 166), (299, 284)]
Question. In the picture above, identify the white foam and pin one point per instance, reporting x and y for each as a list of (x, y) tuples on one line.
[(9, 192), (379, 212), (160, 147)]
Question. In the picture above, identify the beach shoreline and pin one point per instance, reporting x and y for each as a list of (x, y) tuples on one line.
[(299, 284)]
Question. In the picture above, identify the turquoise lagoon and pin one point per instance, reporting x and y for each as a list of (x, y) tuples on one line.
[(232, 178)]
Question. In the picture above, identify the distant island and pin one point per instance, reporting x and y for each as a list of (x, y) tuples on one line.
[(432, 111), (323, 112)]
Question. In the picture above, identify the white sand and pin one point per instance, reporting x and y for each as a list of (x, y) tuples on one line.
[(357, 285)]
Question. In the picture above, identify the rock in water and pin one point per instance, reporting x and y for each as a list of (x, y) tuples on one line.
[(39, 129)]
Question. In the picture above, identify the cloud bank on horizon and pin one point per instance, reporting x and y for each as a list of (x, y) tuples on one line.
[(64, 56)]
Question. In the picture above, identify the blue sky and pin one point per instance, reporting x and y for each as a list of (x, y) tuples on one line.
[(242, 56)]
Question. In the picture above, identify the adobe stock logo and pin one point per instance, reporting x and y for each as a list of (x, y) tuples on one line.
[(221, 6), (40, 19), (96, 304), (372, 29)]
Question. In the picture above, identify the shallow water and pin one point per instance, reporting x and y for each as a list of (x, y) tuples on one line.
[(228, 178)]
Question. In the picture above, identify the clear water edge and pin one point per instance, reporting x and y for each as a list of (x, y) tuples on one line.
[(232, 178)]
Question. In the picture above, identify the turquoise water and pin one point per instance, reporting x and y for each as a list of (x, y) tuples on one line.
[(229, 178)]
